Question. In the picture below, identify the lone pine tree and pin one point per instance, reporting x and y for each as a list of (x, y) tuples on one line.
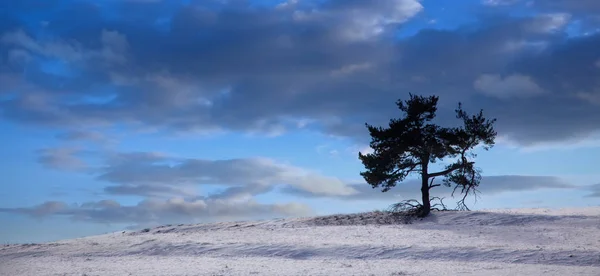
[(411, 143)]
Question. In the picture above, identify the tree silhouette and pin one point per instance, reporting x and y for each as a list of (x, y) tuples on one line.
[(411, 143)]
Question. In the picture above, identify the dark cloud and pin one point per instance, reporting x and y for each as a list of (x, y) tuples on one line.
[(208, 66), (227, 65)]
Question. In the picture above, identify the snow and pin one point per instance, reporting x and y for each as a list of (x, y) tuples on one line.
[(493, 242)]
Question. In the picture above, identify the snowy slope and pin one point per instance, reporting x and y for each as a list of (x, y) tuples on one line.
[(498, 242)]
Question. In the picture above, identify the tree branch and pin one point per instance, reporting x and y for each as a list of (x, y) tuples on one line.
[(449, 170), (404, 171), (431, 185)]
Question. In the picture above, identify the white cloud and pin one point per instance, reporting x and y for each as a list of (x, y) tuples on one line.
[(361, 20), (365, 23)]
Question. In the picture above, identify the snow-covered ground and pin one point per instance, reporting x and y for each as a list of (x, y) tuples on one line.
[(499, 242)]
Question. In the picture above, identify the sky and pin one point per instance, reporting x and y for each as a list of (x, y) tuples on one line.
[(123, 114)]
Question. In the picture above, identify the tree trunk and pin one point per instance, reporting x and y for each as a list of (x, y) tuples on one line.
[(425, 197), (425, 191)]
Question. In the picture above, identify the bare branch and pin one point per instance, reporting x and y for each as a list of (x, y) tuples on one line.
[(435, 206), (431, 185)]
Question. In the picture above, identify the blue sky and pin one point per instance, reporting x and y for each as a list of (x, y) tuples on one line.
[(127, 113)]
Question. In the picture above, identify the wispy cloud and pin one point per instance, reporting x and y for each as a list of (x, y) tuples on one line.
[(153, 211), (490, 185)]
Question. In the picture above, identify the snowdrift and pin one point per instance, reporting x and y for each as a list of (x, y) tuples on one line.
[(496, 242)]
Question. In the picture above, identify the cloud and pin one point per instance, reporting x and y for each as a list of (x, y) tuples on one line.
[(583, 6), (587, 7), (518, 86), (112, 50), (362, 20), (547, 23), (84, 135), (595, 189), (172, 210), (44, 209), (586, 11), (170, 186), (515, 183), (135, 173), (490, 185), (334, 64), (498, 2), (149, 190), (62, 159), (157, 175), (592, 97)]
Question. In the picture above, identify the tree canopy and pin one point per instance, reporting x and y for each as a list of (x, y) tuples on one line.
[(411, 143)]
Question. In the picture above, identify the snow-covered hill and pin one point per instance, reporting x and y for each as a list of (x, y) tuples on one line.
[(499, 242)]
